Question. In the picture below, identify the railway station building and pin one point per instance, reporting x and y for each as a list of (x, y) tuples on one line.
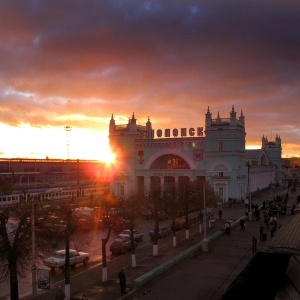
[(215, 152)]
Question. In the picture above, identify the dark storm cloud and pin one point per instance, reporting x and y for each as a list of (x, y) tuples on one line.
[(176, 56)]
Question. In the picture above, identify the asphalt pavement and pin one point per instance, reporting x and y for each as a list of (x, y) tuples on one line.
[(184, 271)]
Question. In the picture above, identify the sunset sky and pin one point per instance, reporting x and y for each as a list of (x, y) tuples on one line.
[(77, 62)]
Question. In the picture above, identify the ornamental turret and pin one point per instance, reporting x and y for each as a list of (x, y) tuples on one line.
[(208, 118), (278, 140), (148, 125), (242, 119), (264, 141), (112, 124), (233, 116), (132, 123)]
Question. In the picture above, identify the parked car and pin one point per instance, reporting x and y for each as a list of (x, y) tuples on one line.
[(51, 225), (180, 223), (57, 260), (86, 223), (137, 236), (121, 224), (162, 232), (121, 245)]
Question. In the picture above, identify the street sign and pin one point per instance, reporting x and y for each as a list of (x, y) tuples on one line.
[(43, 279)]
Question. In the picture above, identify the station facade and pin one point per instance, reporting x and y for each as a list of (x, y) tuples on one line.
[(215, 153)]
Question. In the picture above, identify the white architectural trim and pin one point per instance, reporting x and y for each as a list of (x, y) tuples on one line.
[(220, 163)]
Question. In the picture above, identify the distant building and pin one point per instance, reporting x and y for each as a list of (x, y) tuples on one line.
[(33, 173), (146, 156)]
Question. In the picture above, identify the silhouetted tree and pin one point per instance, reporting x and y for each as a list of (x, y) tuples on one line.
[(16, 245), (110, 201), (155, 202), (132, 207)]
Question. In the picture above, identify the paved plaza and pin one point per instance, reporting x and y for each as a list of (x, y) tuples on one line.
[(201, 275)]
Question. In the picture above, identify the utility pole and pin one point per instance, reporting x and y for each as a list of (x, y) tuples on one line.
[(249, 192), (68, 130), (34, 288)]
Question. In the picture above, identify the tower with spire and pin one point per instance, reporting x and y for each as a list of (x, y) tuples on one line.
[(225, 153), (122, 139), (274, 151)]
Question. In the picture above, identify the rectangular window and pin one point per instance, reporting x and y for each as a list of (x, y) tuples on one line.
[(221, 193), (221, 174), (122, 190), (220, 146)]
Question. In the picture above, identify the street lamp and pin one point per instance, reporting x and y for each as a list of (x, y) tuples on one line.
[(249, 191), (33, 264), (68, 129), (205, 240)]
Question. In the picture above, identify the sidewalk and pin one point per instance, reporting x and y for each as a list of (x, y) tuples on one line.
[(142, 278)]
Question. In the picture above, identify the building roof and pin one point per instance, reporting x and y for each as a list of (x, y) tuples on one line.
[(254, 153), (266, 272), (287, 238), (261, 278)]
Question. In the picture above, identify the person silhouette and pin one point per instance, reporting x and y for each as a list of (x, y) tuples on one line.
[(122, 278)]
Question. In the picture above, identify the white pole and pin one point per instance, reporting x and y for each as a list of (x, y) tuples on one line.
[(249, 194)]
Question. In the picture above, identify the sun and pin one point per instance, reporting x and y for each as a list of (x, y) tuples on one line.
[(108, 157)]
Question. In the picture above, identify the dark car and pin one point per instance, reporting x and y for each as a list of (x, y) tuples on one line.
[(121, 224), (162, 232), (137, 236), (121, 245)]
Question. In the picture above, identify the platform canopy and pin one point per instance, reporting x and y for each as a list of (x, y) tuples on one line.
[(287, 238)]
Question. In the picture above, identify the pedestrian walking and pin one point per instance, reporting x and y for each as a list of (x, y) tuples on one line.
[(272, 227), (227, 227), (242, 223), (220, 214), (254, 242), (60, 294), (261, 232), (122, 279)]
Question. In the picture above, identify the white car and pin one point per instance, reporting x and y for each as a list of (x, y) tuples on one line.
[(137, 236), (58, 259)]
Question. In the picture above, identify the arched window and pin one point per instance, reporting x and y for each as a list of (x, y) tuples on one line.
[(170, 162)]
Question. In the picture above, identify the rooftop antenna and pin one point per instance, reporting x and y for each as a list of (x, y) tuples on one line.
[(271, 135), (68, 130)]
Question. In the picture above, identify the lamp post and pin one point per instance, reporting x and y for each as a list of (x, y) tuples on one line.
[(205, 240), (68, 130), (33, 264), (249, 192)]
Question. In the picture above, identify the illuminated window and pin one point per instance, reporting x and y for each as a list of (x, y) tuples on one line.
[(170, 162)]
